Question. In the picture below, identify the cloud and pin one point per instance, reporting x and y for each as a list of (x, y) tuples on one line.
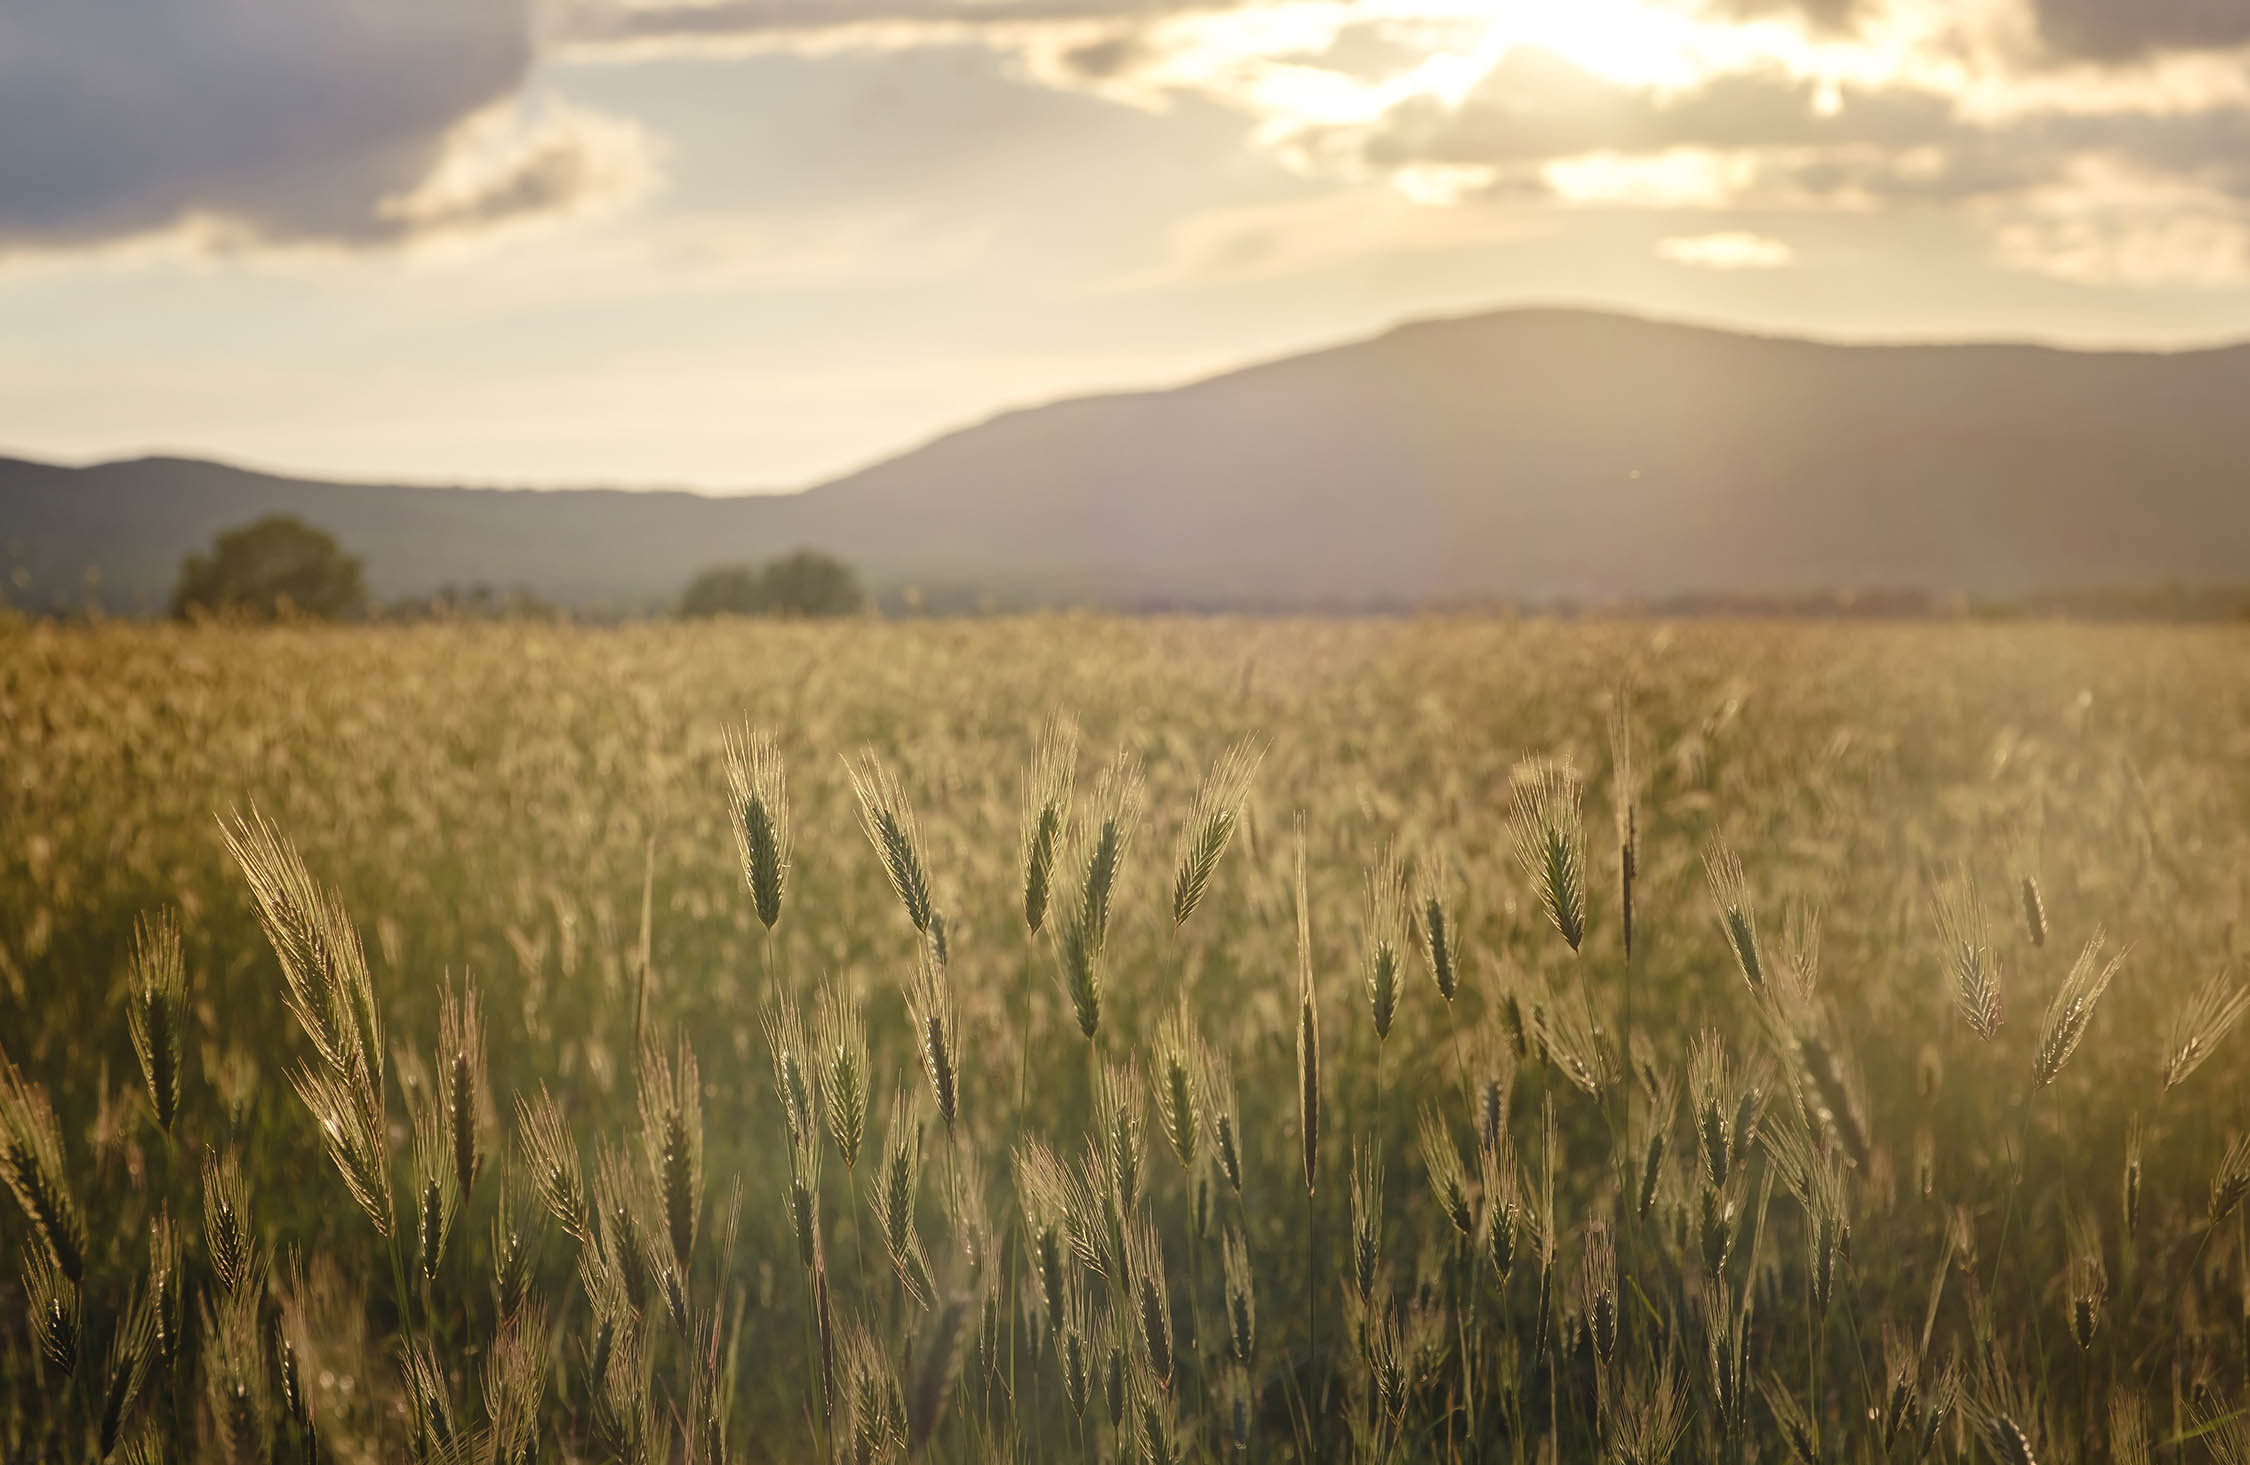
[(337, 122), (2119, 29), (1726, 251)]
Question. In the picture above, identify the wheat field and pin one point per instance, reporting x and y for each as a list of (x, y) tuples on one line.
[(1073, 1038)]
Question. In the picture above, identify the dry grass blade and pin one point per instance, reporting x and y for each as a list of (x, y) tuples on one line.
[(941, 1353), (2128, 1427), (1211, 825), (1625, 792), (131, 1346), (1308, 1030)]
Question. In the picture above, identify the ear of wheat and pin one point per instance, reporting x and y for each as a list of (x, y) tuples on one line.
[(435, 1198), (2200, 1026), (897, 1190), (758, 786), (323, 968), (1550, 842), (1738, 920), (840, 1033), (790, 1051), (1449, 1182), (31, 1163), (1367, 1217), (328, 988), (937, 1042), (461, 1082), (1384, 927), (671, 1111), (2072, 1009), (1211, 824), (888, 820), (1085, 928), (1046, 814), (551, 1155), (1152, 1298), (1973, 963), (1241, 1298), (1180, 1066), (157, 1011)]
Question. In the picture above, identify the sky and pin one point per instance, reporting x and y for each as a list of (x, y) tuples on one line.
[(752, 244)]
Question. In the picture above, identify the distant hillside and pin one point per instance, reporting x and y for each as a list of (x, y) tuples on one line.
[(1521, 454)]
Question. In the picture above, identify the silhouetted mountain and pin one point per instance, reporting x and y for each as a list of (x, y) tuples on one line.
[(1523, 454)]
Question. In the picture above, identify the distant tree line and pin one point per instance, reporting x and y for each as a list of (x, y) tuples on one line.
[(280, 568), (805, 583)]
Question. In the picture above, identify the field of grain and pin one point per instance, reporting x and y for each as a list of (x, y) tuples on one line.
[(436, 1043)]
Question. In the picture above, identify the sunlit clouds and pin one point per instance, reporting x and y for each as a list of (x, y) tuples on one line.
[(758, 241), (1729, 251)]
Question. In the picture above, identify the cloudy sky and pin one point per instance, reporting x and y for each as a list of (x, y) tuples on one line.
[(750, 243)]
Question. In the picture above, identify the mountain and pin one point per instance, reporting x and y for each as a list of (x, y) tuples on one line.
[(1520, 454)]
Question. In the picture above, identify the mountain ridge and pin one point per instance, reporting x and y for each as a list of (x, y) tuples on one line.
[(1525, 454)]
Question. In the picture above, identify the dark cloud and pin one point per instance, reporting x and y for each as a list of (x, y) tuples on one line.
[(2085, 30), (282, 122), (2118, 30), (599, 21)]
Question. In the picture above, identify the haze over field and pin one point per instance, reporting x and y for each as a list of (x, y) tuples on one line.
[(1526, 455)]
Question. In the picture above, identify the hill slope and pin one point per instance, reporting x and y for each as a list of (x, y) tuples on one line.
[(1522, 453)]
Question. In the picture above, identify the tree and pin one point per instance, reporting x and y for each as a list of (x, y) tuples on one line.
[(805, 583), (809, 583), (278, 566), (725, 590)]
